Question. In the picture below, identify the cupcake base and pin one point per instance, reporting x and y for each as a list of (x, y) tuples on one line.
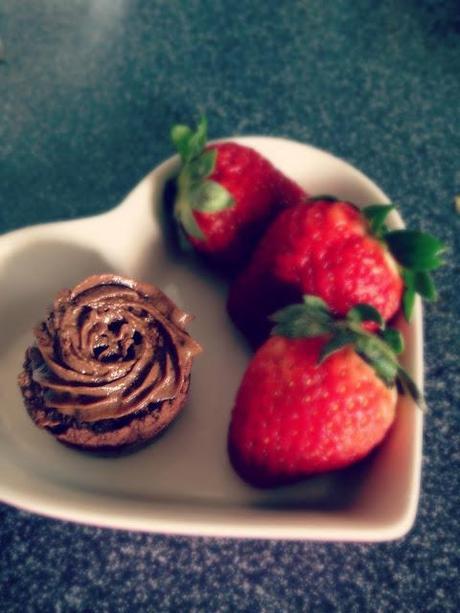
[(106, 437)]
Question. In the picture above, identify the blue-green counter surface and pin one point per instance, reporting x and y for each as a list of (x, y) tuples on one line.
[(88, 89)]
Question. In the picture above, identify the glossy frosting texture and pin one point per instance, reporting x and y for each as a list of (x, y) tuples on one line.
[(109, 348)]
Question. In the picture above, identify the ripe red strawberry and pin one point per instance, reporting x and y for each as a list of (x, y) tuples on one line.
[(330, 249), (317, 396), (226, 195)]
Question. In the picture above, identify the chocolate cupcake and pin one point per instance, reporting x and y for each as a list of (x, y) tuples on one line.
[(110, 368)]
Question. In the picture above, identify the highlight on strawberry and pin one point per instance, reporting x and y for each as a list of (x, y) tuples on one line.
[(226, 195), (318, 395), (344, 255)]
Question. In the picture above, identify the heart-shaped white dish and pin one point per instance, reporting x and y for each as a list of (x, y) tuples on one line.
[(183, 483)]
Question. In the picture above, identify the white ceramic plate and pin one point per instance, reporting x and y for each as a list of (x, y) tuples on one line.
[(183, 483)]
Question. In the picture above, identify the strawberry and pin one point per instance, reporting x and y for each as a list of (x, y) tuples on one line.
[(318, 395), (226, 195), (331, 249)]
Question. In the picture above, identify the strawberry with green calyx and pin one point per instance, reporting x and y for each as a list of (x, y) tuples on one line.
[(226, 195), (318, 395), (331, 249)]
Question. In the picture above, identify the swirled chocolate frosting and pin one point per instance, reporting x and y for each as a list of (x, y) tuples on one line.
[(111, 347)]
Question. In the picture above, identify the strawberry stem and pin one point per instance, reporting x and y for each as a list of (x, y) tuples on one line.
[(195, 191)]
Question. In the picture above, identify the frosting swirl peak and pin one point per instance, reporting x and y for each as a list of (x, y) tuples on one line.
[(109, 348)]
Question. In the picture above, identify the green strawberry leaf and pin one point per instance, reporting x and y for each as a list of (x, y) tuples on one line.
[(378, 356), (394, 339), (210, 197), (202, 166), (417, 282), (365, 312), (190, 144), (317, 310), (424, 285), (302, 320), (323, 198), (180, 136), (315, 303), (408, 278), (415, 250), (337, 342), (410, 386), (376, 215), (311, 318), (408, 301), (386, 369), (199, 138)]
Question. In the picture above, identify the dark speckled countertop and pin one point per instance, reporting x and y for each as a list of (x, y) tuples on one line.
[(87, 91)]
